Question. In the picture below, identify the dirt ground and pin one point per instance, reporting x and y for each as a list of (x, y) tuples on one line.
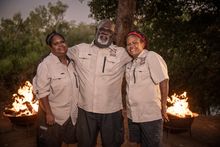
[(205, 133)]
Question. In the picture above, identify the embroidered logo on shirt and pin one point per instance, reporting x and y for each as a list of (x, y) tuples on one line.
[(113, 52), (142, 60)]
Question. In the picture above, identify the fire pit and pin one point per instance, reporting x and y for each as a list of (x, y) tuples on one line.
[(23, 110), (177, 124), (21, 120), (180, 117)]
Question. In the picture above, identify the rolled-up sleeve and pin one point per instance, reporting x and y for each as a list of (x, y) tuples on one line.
[(41, 81), (157, 67)]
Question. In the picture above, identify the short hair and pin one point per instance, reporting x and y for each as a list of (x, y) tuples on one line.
[(108, 23)]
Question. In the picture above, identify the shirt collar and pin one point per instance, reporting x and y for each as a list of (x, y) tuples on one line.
[(56, 59), (111, 46), (143, 54)]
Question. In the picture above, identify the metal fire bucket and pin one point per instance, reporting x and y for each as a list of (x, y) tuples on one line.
[(178, 124), (21, 120)]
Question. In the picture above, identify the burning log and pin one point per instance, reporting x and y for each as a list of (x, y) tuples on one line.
[(30, 108), (24, 108), (10, 112)]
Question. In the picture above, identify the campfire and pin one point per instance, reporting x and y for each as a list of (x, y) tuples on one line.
[(179, 106), (180, 116), (24, 106)]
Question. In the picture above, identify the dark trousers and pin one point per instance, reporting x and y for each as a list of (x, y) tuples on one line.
[(90, 124), (148, 134), (49, 136), (53, 136)]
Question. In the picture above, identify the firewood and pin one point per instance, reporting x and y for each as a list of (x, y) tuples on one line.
[(30, 108)]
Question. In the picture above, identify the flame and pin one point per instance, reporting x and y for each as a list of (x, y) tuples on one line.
[(24, 102), (180, 106)]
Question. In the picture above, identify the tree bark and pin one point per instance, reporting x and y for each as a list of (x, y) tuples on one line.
[(124, 20)]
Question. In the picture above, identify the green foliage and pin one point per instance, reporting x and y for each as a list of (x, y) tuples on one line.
[(103, 9), (22, 43), (186, 34), (80, 33), (6, 66)]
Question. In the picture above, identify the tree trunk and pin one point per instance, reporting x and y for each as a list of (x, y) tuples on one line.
[(124, 20), (124, 24)]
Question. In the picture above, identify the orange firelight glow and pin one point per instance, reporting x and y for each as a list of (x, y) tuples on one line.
[(180, 106), (24, 103)]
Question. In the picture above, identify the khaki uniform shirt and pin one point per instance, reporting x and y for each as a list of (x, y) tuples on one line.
[(143, 76), (58, 82), (100, 73)]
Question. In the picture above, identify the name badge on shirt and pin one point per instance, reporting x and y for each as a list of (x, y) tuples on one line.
[(142, 60), (113, 52)]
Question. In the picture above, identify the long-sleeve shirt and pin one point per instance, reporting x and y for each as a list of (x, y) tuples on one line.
[(60, 83), (100, 73)]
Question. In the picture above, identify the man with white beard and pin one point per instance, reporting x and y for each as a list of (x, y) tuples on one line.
[(100, 66)]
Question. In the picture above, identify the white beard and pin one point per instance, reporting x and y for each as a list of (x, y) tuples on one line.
[(103, 42)]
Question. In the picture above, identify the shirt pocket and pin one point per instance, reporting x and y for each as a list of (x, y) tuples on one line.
[(112, 63), (142, 72), (58, 82), (84, 59)]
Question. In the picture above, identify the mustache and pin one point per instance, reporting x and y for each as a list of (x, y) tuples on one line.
[(103, 38), (104, 42)]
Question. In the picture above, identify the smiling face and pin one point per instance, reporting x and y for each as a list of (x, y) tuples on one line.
[(104, 37), (134, 45), (58, 46), (104, 34)]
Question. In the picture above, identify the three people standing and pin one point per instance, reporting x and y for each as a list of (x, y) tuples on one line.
[(97, 72)]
